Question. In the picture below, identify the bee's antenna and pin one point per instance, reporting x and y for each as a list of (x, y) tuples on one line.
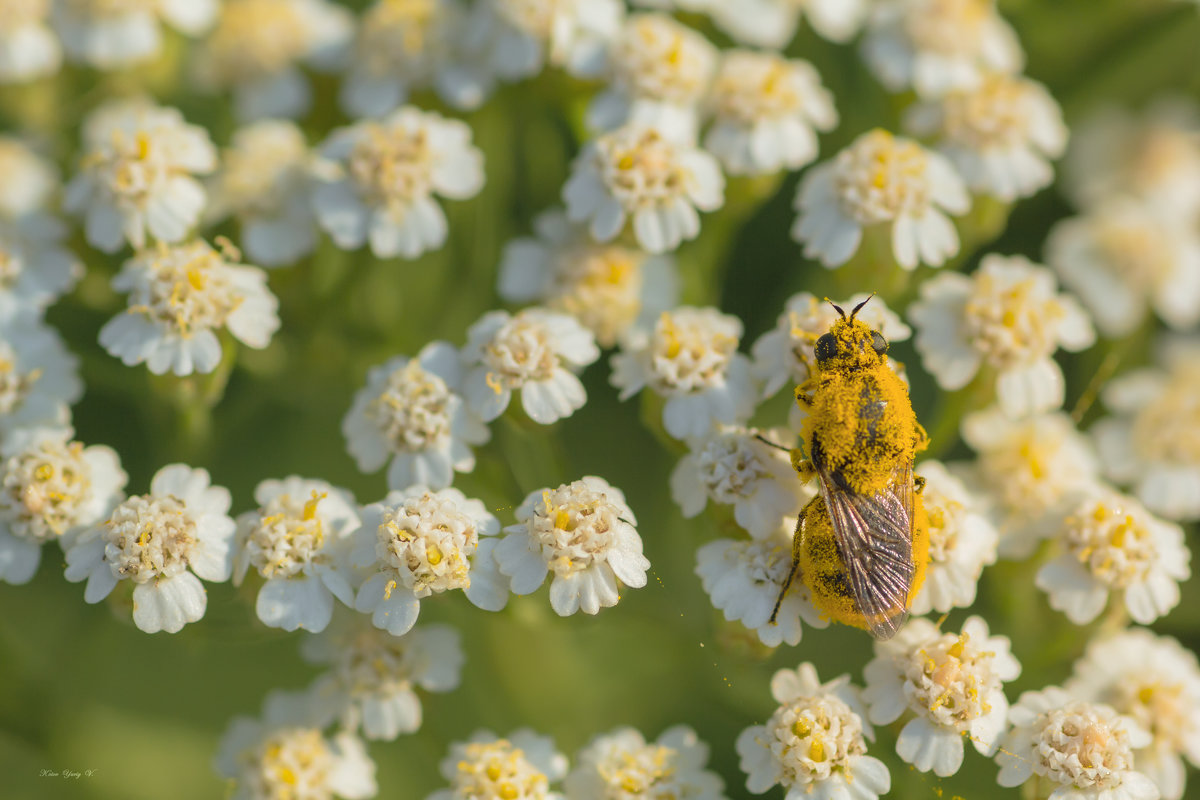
[(858, 307), (837, 308)]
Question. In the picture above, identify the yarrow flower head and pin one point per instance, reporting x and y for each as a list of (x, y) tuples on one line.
[(622, 764), (772, 23), (51, 488), (1008, 316), (136, 175), (416, 543), (638, 173), (953, 683), (881, 185), (376, 181), (373, 675), (691, 358), (28, 48), (536, 351), (766, 112), (1000, 134), (411, 412), (162, 542), (523, 35), (813, 745), (610, 288), (584, 533), (1155, 681), (522, 765), (179, 298), (111, 35), (1110, 544), (39, 378), (297, 540), (1086, 748)]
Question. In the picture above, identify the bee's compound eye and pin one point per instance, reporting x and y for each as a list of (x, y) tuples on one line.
[(878, 343), (826, 347)]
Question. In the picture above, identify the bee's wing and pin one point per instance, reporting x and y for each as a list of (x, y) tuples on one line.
[(874, 535)]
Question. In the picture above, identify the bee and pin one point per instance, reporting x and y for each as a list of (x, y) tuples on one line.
[(861, 545)]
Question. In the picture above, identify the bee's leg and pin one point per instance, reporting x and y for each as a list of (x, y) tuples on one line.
[(918, 483), (803, 396), (795, 565), (802, 464)]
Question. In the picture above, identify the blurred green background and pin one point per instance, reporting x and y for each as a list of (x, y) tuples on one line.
[(82, 689)]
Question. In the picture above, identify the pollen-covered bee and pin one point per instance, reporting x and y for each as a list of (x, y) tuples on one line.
[(862, 543)]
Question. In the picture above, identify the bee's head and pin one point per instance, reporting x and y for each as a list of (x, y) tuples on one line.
[(850, 344)]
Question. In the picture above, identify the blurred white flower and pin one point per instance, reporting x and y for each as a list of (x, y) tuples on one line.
[(609, 288), (416, 543), (376, 181), (284, 753), (1155, 681), (637, 173), (257, 47), (575, 35), (39, 378), (813, 744), (28, 48), (30, 181), (691, 359), (521, 765), (772, 23), (373, 675), (882, 185), (766, 111), (51, 488), (584, 533), (263, 182), (621, 764), (954, 684), (933, 46), (1085, 748), (1124, 255), (136, 175), (111, 35), (410, 411), (1001, 134), (536, 351), (962, 541), (179, 298), (163, 542)]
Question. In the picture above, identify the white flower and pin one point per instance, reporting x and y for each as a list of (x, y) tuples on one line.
[(162, 542), (609, 288), (962, 540), (743, 579), (1153, 441), (772, 23), (1008, 316), (1123, 255), (38, 377), (30, 180), (813, 744), (374, 675), (572, 34), (179, 298), (521, 765), (584, 533), (110, 35), (1155, 681), (377, 180), (1109, 543), (257, 47), (621, 764), (936, 45), (417, 543), (661, 70), (886, 186), (136, 174), (766, 112), (733, 467), (691, 359), (285, 754), (298, 541), (954, 684), (637, 172), (1000, 134), (536, 351), (410, 411), (50, 489), (1086, 748), (28, 48), (263, 182), (1027, 471)]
